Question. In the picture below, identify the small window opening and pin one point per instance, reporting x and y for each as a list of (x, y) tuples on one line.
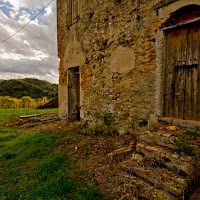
[(72, 12)]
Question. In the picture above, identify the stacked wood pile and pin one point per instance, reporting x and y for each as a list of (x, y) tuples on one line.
[(52, 103)]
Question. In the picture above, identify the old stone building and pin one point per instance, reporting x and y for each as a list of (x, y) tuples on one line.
[(131, 58), (136, 60)]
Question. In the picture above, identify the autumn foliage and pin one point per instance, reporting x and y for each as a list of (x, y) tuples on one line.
[(24, 102)]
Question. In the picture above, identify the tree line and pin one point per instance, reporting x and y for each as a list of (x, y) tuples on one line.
[(34, 88), (24, 102)]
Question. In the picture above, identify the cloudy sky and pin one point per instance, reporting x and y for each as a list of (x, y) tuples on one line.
[(33, 51)]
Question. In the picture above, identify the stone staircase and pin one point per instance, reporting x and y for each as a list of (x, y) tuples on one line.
[(157, 170), (160, 147), (152, 181)]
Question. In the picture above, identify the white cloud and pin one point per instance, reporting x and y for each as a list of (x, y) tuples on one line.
[(14, 3), (48, 11), (31, 4), (48, 77), (13, 13), (24, 17), (33, 51)]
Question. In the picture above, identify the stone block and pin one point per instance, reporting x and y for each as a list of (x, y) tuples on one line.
[(137, 157), (119, 154), (169, 158)]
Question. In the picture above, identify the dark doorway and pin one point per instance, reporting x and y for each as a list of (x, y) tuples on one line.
[(74, 93)]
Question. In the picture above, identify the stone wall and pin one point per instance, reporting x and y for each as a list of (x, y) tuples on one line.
[(114, 44)]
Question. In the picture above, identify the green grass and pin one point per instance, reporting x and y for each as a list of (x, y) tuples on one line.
[(192, 132), (30, 170), (182, 146), (7, 114)]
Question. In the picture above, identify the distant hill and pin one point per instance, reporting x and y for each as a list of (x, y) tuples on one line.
[(33, 88)]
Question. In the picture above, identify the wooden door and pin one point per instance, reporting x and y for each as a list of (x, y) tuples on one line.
[(182, 77)]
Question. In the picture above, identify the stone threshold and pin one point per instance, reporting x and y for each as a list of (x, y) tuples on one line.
[(180, 122)]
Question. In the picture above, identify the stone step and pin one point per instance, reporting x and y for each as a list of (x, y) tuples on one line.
[(120, 154), (140, 189), (167, 138), (170, 158), (159, 177), (159, 138), (180, 122)]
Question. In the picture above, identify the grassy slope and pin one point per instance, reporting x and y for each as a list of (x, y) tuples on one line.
[(31, 168), (58, 160), (28, 87), (6, 114)]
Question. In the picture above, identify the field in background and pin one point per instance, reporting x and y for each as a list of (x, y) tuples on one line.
[(24, 102), (7, 114)]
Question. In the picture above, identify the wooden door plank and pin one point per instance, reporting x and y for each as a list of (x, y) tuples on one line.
[(177, 91), (171, 77), (189, 47), (167, 66), (194, 86), (198, 70), (193, 47), (176, 96), (182, 40), (198, 93), (181, 93), (187, 106), (179, 41), (184, 47), (195, 32)]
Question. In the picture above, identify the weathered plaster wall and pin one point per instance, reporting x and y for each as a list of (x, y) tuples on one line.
[(122, 60), (114, 43), (73, 54), (63, 100)]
